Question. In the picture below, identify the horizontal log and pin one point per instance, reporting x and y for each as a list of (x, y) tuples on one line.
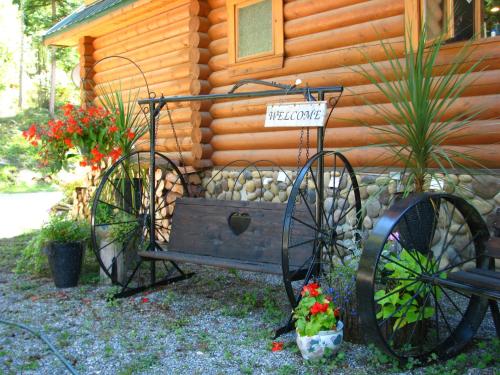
[(117, 66), (347, 56), (478, 132), (134, 78), (341, 17), (303, 8), (181, 129), (353, 116), (318, 76), (154, 49), (216, 3), (218, 31), (120, 18), (185, 143), (358, 157), (169, 17), (148, 50), (346, 36), (165, 32), (479, 83), (218, 46), (217, 15)]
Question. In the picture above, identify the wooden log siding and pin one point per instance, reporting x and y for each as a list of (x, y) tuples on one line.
[(171, 48), (182, 48), (324, 40)]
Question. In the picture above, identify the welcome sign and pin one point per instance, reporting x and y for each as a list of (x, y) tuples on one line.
[(299, 114)]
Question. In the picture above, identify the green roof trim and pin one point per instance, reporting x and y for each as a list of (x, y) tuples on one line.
[(85, 14)]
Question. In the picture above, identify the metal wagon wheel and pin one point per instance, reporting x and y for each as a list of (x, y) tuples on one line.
[(120, 221), (407, 308), (319, 234)]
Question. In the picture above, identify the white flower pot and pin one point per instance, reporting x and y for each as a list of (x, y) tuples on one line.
[(313, 347)]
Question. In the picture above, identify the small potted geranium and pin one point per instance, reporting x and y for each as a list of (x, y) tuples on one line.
[(317, 323)]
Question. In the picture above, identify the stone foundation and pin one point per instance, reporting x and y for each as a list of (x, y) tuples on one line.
[(377, 190)]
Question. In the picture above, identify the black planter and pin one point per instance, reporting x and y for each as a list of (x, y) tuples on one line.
[(65, 261), (417, 227)]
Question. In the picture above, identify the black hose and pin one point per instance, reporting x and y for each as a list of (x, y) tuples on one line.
[(42, 337)]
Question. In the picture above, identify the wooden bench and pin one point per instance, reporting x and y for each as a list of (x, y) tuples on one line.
[(483, 282), (244, 235)]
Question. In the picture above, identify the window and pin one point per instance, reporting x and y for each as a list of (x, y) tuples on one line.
[(458, 19), (255, 35)]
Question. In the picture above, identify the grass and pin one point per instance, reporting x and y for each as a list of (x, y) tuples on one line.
[(11, 249)]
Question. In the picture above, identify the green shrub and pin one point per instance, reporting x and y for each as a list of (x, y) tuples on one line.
[(33, 260)]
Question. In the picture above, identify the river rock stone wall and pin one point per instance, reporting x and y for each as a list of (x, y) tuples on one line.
[(376, 190)]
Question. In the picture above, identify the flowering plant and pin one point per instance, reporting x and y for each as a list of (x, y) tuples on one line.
[(92, 131), (315, 312)]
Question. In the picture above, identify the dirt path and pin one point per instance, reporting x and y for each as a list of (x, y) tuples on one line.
[(24, 211)]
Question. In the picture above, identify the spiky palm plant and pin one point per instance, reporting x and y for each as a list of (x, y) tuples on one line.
[(420, 125)]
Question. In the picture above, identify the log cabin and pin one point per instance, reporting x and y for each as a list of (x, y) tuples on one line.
[(205, 46)]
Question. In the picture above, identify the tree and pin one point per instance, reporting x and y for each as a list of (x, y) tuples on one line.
[(40, 15)]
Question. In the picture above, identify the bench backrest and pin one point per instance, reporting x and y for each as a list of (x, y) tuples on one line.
[(201, 227)]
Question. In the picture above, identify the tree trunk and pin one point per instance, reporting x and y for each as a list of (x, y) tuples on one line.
[(21, 59), (52, 98)]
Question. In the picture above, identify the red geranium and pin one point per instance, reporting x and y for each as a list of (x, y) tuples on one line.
[(319, 307), (311, 289), (277, 346)]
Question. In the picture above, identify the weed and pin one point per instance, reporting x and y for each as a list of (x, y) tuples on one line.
[(287, 370), (111, 300), (140, 365), (64, 339)]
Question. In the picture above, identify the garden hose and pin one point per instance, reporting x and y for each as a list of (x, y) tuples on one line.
[(44, 339)]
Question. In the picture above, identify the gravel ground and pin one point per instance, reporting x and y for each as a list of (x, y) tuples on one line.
[(218, 322)]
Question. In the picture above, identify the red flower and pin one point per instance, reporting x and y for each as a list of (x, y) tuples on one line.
[(68, 142), (130, 135), (312, 289), (83, 163), (319, 307), (115, 153), (67, 108), (144, 300), (30, 133), (336, 313), (85, 120), (277, 346), (95, 168), (97, 155), (34, 143), (113, 128)]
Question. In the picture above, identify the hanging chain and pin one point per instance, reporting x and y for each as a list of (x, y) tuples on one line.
[(181, 159), (299, 155)]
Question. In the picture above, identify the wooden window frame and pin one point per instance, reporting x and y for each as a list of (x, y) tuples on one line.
[(263, 61), (415, 16)]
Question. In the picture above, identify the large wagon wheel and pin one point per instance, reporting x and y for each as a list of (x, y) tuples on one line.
[(120, 221), (315, 240), (407, 308)]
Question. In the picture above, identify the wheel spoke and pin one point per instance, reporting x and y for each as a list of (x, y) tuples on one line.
[(302, 243), (304, 199), (397, 290), (118, 223), (307, 225), (318, 190), (116, 239), (124, 199), (452, 302), (399, 264)]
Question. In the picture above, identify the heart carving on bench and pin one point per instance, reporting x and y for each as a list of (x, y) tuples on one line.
[(239, 222)]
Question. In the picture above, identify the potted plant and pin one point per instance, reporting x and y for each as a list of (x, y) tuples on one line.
[(64, 243), (319, 330), (420, 93)]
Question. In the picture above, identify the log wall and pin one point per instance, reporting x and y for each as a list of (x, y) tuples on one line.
[(170, 47), (182, 47), (324, 40)]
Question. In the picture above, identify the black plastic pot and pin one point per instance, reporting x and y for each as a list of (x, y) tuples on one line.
[(417, 228), (65, 261)]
